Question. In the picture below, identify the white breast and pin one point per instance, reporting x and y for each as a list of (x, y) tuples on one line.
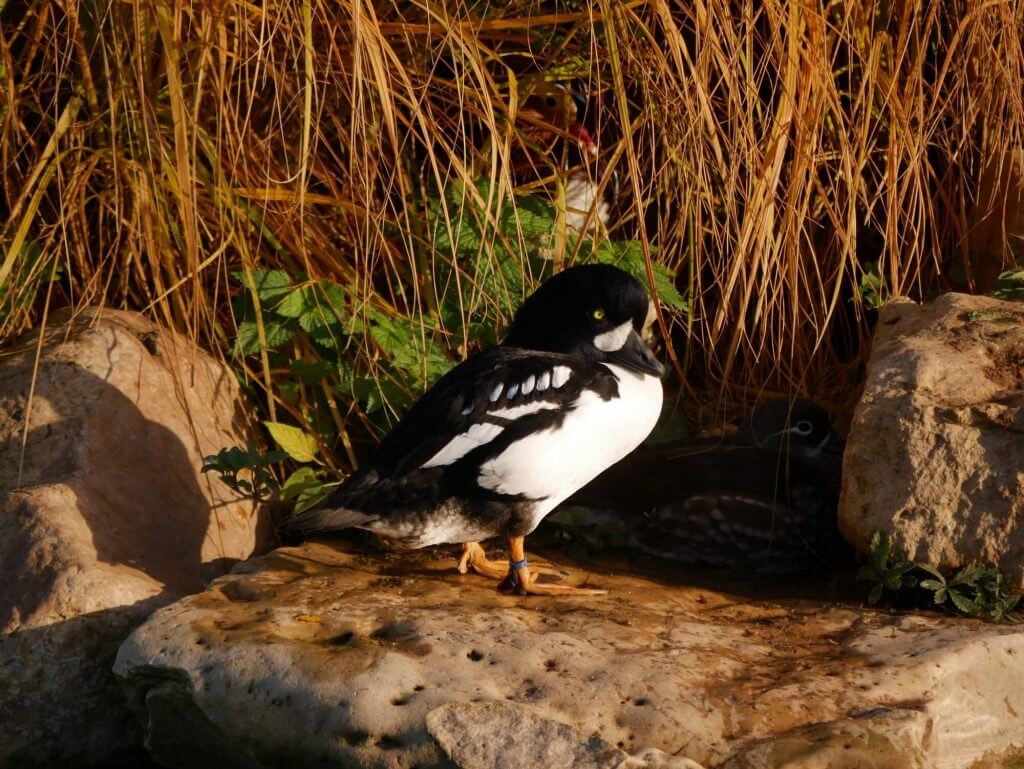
[(552, 464)]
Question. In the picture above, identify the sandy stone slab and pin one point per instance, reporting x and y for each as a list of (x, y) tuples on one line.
[(314, 654)]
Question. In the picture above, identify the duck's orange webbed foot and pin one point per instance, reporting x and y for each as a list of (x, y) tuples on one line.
[(474, 557), (522, 581)]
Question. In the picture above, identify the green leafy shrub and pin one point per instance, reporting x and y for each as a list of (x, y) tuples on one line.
[(977, 590)]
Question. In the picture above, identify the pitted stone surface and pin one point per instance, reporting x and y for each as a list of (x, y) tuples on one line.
[(315, 654)]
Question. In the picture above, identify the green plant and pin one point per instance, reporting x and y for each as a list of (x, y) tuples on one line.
[(887, 571), (332, 355), (19, 292), (247, 470), (871, 291), (977, 590), (305, 485)]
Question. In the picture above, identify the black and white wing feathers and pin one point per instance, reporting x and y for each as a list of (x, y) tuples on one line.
[(481, 397), (471, 414)]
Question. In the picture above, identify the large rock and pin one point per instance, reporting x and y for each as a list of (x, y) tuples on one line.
[(315, 656), (104, 516), (935, 455)]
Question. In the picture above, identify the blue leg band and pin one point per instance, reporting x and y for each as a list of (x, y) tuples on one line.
[(514, 567)]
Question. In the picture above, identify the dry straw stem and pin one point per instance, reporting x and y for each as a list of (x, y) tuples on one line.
[(770, 152)]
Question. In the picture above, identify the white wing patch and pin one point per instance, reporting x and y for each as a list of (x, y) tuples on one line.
[(463, 443), (514, 412), (559, 376), (613, 339)]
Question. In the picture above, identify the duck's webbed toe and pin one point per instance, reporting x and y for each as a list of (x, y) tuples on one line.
[(474, 557)]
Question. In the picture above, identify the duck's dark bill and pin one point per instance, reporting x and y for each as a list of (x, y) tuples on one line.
[(636, 356)]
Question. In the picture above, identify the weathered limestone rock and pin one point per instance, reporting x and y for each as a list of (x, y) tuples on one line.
[(103, 518), (485, 735), (935, 455), (311, 656)]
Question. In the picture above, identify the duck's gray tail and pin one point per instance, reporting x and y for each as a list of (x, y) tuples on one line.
[(327, 519)]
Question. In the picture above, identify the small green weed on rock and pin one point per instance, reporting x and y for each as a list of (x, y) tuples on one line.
[(976, 590)]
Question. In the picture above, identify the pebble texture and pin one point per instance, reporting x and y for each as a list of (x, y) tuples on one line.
[(935, 454), (104, 517), (314, 655)]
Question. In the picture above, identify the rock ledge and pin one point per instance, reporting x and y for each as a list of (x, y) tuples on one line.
[(315, 654)]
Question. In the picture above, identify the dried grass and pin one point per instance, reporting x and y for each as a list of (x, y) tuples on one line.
[(772, 152)]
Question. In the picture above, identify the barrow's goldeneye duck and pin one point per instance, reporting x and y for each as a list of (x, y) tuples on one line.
[(511, 432), (761, 501)]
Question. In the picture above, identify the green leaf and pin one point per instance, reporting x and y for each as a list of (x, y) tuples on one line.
[(410, 345), (963, 603), (302, 480), (458, 232), (902, 567), (969, 576), (271, 285), (300, 446), (247, 342), (501, 279), (326, 316), (881, 550), (296, 303), (322, 302), (278, 333), (1010, 286), (311, 497), (871, 291), (289, 391), (234, 458), (376, 394), (528, 217)]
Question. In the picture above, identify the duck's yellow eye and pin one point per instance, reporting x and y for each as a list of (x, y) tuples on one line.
[(598, 314)]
